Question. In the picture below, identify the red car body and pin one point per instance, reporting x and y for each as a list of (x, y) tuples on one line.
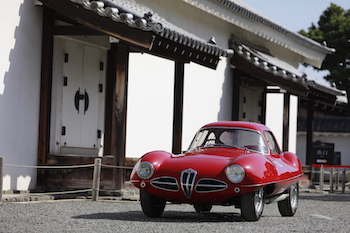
[(200, 175)]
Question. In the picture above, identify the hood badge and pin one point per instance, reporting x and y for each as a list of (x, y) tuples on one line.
[(188, 178)]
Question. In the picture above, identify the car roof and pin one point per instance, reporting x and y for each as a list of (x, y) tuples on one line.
[(239, 124)]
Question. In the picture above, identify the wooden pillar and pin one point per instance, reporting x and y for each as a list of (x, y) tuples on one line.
[(236, 87), (263, 106), (309, 131), (178, 107), (286, 110), (110, 101), (45, 91), (116, 108)]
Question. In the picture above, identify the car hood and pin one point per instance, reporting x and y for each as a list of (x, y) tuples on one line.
[(208, 161)]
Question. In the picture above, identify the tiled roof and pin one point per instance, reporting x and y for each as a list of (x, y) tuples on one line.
[(143, 18), (326, 124), (240, 7), (322, 88), (261, 57)]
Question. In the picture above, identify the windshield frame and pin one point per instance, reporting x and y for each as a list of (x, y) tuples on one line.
[(195, 138)]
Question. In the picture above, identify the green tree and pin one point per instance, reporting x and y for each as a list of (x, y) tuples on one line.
[(334, 29)]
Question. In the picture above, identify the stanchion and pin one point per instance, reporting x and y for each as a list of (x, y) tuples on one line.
[(321, 178), (343, 181), (1, 176), (331, 183), (96, 179)]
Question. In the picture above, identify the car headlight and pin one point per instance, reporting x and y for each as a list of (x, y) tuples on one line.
[(145, 170), (235, 173)]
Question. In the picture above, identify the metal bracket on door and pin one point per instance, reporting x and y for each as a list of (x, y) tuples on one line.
[(79, 97)]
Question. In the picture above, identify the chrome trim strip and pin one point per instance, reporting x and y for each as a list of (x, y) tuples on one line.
[(259, 185), (154, 181), (220, 187)]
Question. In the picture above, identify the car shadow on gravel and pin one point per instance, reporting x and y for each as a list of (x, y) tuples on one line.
[(168, 216)]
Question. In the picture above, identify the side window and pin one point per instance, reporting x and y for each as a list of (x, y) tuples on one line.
[(272, 142)]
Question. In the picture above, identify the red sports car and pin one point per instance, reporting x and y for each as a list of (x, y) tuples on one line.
[(228, 163)]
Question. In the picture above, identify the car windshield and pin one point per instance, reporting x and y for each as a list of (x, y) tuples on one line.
[(230, 137)]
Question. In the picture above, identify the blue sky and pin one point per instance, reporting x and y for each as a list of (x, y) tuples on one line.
[(296, 15)]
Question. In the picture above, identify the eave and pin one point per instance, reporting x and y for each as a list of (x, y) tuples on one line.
[(135, 24)]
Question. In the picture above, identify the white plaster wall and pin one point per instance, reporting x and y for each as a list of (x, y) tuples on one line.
[(274, 115), (274, 118), (207, 98), (341, 144), (150, 104), (20, 55), (293, 121)]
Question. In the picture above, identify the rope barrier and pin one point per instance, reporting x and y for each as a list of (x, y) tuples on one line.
[(112, 166), (96, 177), (67, 167), (54, 193), (50, 167)]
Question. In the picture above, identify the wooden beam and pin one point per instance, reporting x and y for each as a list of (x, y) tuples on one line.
[(110, 113), (75, 30), (263, 106), (45, 91), (286, 110), (178, 107), (236, 89), (120, 101), (309, 131), (99, 23)]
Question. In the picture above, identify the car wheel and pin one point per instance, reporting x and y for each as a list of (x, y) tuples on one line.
[(152, 206), (289, 206), (200, 208), (252, 205)]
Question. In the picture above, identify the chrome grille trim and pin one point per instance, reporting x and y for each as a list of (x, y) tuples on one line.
[(165, 183), (188, 178), (207, 185)]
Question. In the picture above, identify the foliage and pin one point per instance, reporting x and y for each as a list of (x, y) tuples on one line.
[(333, 29)]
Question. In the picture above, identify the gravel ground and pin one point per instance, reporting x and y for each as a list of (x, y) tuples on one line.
[(316, 213)]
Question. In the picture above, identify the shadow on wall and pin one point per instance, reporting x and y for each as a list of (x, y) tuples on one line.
[(19, 92)]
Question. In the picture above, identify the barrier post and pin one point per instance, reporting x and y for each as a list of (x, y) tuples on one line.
[(321, 178), (337, 179), (348, 180), (331, 190), (343, 181), (1, 176), (96, 179)]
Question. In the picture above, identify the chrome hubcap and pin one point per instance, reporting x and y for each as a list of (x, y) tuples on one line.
[(258, 200)]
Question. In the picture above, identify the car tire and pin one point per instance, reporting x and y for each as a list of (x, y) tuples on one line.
[(252, 205), (289, 206), (200, 208), (152, 206)]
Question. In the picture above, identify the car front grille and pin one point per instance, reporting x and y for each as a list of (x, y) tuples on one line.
[(187, 183), (166, 183), (210, 185), (188, 177)]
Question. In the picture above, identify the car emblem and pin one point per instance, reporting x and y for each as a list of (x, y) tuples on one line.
[(188, 177)]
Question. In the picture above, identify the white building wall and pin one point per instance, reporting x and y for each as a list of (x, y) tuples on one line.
[(274, 118), (274, 115), (20, 56), (150, 102)]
